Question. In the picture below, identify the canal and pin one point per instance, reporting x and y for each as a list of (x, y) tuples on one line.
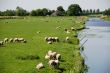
[(96, 42)]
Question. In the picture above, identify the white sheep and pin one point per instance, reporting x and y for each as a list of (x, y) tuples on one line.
[(51, 62), (67, 31), (39, 66), (67, 38), (49, 42), (20, 39), (56, 39), (54, 63), (11, 40), (15, 39), (6, 40), (47, 56), (58, 56), (1, 42)]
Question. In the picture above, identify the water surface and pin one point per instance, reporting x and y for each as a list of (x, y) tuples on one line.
[(97, 48)]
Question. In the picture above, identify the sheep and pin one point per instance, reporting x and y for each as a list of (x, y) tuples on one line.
[(39, 66), (51, 62), (67, 31), (49, 42), (6, 40), (56, 39), (1, 42), (72, 28), (24, 41), (46, 39), (49, 38), (47, 56), (58, 56), (49, 52), (15, 39), (11, 40), (54, 63), (20, 39), (67, 38)]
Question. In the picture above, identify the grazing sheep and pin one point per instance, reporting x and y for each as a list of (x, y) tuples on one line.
[(49, 52), (72, 28), (49, 42), (20, 39), (67, 38), (56, 39), (67, 31), (38, 32), (58, 56), (11, 40), (15, 39), (54, 54), (47, 56), (39, 66), (54, 63), (49, 38), (51, 62), (24, 41), (6, 40), (46, 39), (1, 42)]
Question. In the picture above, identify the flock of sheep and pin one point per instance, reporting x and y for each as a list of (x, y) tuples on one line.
[(11, 40), (53, 58)]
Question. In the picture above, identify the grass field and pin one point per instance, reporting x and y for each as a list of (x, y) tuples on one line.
[(11, 54)]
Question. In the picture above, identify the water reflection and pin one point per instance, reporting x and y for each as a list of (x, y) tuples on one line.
[(97, 48)]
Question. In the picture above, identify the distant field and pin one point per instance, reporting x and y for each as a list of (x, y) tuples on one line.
[(71, 60)]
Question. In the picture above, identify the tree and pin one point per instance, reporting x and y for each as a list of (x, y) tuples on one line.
[(107, 12), (39, 12), (20, 11), (45, 11), (90, 11), (60, 11), (98, 11), (33, 13), (94, 11), (9, 13), (74, 9)]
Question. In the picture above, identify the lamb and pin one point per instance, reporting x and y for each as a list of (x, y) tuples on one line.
[(6, 40), (39, 66), (1, 42)]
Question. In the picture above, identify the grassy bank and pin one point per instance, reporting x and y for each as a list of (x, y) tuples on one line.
[(23, 57)]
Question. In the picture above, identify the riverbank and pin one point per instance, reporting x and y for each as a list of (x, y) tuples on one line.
[(11, 54)]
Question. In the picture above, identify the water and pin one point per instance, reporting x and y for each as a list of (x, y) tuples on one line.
[(97, 48)]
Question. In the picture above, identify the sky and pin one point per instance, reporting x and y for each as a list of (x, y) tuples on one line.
[(53, 4)]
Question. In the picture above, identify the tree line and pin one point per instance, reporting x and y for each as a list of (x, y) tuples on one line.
[(73, 10)]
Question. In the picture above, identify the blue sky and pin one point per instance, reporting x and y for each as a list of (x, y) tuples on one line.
[(53, 4)]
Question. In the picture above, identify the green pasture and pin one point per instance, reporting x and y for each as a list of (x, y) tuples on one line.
[(23, 57)]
